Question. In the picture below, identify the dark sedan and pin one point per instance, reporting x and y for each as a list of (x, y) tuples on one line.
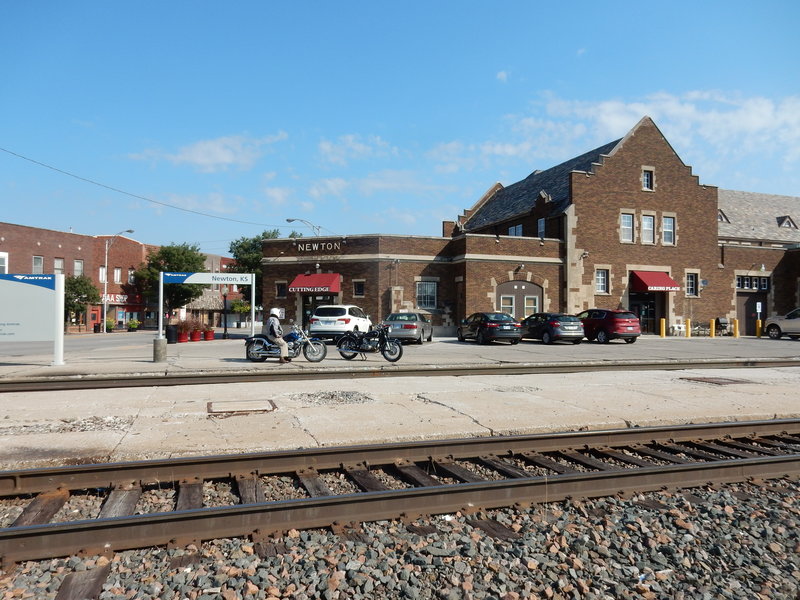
[(551, 327), (485, 327)]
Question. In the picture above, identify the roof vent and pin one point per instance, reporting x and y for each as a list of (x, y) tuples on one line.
[(786, 221)]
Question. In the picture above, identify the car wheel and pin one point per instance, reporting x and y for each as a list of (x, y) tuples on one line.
[(774, 332), (459, 336), (419, 340), (430, 336), (630, 340), (602, 336), (547, 338), (480, 338)]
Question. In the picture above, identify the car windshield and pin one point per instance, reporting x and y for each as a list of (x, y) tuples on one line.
[(329, 311), (499, 317), (625, 315)]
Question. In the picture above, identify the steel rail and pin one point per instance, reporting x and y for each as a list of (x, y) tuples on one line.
[(107, 475), (127, 380), (275, 518)]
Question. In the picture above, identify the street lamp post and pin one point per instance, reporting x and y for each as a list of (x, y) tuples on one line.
[(109, 243), (225, 312), (314, 228)]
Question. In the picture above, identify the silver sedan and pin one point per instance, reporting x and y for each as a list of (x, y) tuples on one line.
[(411, 326)]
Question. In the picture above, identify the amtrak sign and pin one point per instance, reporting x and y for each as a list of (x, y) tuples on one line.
[(212, 278), (32, 310)]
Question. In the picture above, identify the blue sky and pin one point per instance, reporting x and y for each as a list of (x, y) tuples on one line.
[(369, 117)]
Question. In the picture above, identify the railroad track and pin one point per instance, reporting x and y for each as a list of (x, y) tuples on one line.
[(256, 375), (342, 487)]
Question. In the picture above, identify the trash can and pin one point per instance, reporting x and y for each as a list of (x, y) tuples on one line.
[(172, 334), (97, 327), (721, 325)]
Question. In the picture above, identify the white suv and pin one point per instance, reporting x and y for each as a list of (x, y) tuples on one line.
[(785, 325), (332, 320)]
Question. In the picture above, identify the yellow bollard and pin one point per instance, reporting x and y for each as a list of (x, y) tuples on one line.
[(662, 327), (712, 328), (736, 328), (688, 328), (758, 328)]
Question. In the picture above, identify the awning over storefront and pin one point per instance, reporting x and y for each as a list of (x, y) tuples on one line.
[(652, 281), (316, 282)]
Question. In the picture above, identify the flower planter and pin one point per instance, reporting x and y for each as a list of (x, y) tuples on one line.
[(183, 337), (196, 336), (208, 335)]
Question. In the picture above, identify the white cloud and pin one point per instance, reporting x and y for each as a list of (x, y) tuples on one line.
[(502, 76), (278, 196), (355, 147), (214, 202), (389, 180), (328, 187), (235, 151)]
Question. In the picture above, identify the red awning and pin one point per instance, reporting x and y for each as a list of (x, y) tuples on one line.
[(652, 281), (316, 282)]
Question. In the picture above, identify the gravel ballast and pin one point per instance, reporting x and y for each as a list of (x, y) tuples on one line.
[(741, 541)]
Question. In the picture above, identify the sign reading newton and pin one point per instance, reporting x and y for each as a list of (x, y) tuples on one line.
[(319, 246)]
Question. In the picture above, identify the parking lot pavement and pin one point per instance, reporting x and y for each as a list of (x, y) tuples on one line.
[(131, 353)]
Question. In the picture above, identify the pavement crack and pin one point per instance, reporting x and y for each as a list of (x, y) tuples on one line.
[(426, 400)]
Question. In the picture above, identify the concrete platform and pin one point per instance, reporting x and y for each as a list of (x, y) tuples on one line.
[(155, 422)]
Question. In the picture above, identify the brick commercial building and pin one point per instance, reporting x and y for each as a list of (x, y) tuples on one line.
[(626, 225)]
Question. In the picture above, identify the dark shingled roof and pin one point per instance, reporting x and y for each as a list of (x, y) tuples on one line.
[(519, 198)]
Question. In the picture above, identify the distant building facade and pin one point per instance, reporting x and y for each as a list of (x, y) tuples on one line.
[(627, 225)]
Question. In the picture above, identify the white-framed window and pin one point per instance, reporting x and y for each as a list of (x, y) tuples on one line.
[(763, 283), (359, 287), (691, 284), (131, 278), (515, 230), (507, 304), (117, 275), (531, 305), (648, 180), (540, 228), (3, 263), (648, 229), (626, 227), (668, 231), (77, 267), (58, 266), (601, 281), (426, 294), (102, 275), (38, 264)]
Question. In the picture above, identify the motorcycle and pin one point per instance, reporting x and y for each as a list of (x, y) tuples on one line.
[(259, 348), (357, 342)]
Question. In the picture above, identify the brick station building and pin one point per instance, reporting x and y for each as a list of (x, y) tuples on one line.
[(626, 225)]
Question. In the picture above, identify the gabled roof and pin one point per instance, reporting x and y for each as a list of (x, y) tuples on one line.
[(519, 198), (753, 216)]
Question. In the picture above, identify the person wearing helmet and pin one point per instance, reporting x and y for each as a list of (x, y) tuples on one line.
[(275, 334)]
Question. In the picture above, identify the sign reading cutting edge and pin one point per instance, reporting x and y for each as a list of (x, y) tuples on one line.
[(214, 278)]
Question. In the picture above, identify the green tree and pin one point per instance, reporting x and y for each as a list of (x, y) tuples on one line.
[(78, 293), (182, 258), (247, 253)]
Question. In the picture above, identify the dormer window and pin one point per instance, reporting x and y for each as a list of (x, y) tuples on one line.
[(786, 221), (722, 217), (515, 230)]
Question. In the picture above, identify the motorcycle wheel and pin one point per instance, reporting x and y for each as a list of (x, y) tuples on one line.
[(315, 351), (392, 351), (348, 348), (254, 351)]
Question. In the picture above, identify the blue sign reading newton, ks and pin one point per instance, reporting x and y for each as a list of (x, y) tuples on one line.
[(45, 281)]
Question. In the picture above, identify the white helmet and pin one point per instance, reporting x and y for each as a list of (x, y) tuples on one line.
[(275, 312)]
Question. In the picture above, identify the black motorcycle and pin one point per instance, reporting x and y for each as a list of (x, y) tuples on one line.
[(377, 340), (259, 347)]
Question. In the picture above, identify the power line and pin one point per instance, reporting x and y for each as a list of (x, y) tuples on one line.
[(119, 191)]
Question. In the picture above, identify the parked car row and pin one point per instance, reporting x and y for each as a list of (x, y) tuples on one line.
[(595, 324), (603, 325)]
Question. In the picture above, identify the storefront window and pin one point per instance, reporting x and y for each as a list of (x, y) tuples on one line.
[(426, 294)]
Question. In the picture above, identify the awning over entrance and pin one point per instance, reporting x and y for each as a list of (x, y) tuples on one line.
[(316, 282), (652, 281)]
